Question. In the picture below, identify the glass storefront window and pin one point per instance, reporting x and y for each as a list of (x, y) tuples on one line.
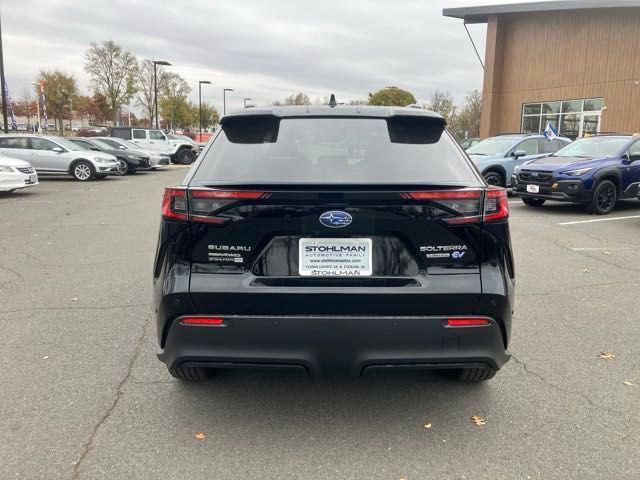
[(531, 124), (571, 118), (592, 104), (572, 106), (531, 109), (551, 107)]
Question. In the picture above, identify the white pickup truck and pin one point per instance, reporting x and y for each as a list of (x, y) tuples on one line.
[(153, 139)]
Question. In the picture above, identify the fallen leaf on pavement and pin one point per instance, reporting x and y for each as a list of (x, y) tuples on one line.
[(629, 384), (479, 421), (586, 270), (607, 253), (200, 436), (45, 357), (427, 425), (606, 355)]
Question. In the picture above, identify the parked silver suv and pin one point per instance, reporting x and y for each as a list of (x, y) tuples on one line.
[(58, 155)]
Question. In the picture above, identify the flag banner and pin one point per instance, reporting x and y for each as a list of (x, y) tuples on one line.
[(549, 132), (14, 123)]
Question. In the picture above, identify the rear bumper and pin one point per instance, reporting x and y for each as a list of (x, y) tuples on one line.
[(334, 344)]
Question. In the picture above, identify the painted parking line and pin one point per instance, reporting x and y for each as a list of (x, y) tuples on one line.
[(600, 220)]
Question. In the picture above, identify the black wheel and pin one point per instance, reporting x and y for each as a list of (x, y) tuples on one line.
[(605, 196), (83, 171), (186, 156), (494, 178), (190, 374), (475, 374), (533, 202)]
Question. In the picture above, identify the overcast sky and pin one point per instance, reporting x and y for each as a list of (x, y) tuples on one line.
[(264, 49)]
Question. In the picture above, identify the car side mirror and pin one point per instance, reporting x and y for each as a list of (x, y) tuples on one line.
[(58, 149), (518, 153), (122, 147)]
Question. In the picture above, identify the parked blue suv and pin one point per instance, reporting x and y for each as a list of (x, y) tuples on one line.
[(595, 171), (496, 157)]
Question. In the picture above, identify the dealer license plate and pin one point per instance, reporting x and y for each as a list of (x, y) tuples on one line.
[(533, 189), (335, 257)]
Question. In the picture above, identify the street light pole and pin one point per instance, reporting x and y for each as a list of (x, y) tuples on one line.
[(155, 86), (224, 100), (206, 82), (3, 86)]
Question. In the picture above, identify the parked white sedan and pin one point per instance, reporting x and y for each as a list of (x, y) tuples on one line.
[(15, 174)]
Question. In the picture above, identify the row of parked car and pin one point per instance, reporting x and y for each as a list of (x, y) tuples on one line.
[(595, 171), (126, 151)]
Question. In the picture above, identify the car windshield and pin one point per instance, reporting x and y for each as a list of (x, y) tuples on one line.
[(334, 151), (493, 146), (593, 147), (68, 144)]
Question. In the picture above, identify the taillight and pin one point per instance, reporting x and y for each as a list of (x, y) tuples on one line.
[(463, 206), (174, 204), (202, 205), (466, 206), (496, 205)]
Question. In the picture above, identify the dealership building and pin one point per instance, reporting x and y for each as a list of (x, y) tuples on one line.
[(575, 64)]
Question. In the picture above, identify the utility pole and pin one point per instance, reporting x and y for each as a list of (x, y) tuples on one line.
[(3, 85)]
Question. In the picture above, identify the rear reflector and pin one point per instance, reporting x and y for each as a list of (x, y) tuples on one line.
[(203, 321), (467, 322)]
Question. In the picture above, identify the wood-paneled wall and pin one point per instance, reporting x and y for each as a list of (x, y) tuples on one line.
[(561, 56)]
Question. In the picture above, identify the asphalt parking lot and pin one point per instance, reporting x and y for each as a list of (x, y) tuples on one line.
[(83, 395)]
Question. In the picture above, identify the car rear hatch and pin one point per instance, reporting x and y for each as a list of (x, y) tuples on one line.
[(280, 243)]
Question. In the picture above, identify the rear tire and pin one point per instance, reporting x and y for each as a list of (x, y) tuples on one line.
[(475, 374), (604, 199), (533, 202), (189, 374), (123, 167), (185, 156)]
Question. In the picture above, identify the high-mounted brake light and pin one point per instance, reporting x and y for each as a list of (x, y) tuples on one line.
[(203, 321), (467, 322)]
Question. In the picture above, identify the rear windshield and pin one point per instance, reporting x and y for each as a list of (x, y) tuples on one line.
[(334, 151)]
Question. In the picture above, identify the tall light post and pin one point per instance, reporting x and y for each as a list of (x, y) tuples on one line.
[(155, 85), (200, 83), (244, 102), (224, 100), (3, 86)]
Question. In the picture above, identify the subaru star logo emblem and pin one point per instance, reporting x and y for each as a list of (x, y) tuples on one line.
[(335, 219), (534, 174)]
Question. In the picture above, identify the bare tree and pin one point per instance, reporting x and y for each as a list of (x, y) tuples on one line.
[(145, 86), (443, 103), (295, 99), (113, 74)]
